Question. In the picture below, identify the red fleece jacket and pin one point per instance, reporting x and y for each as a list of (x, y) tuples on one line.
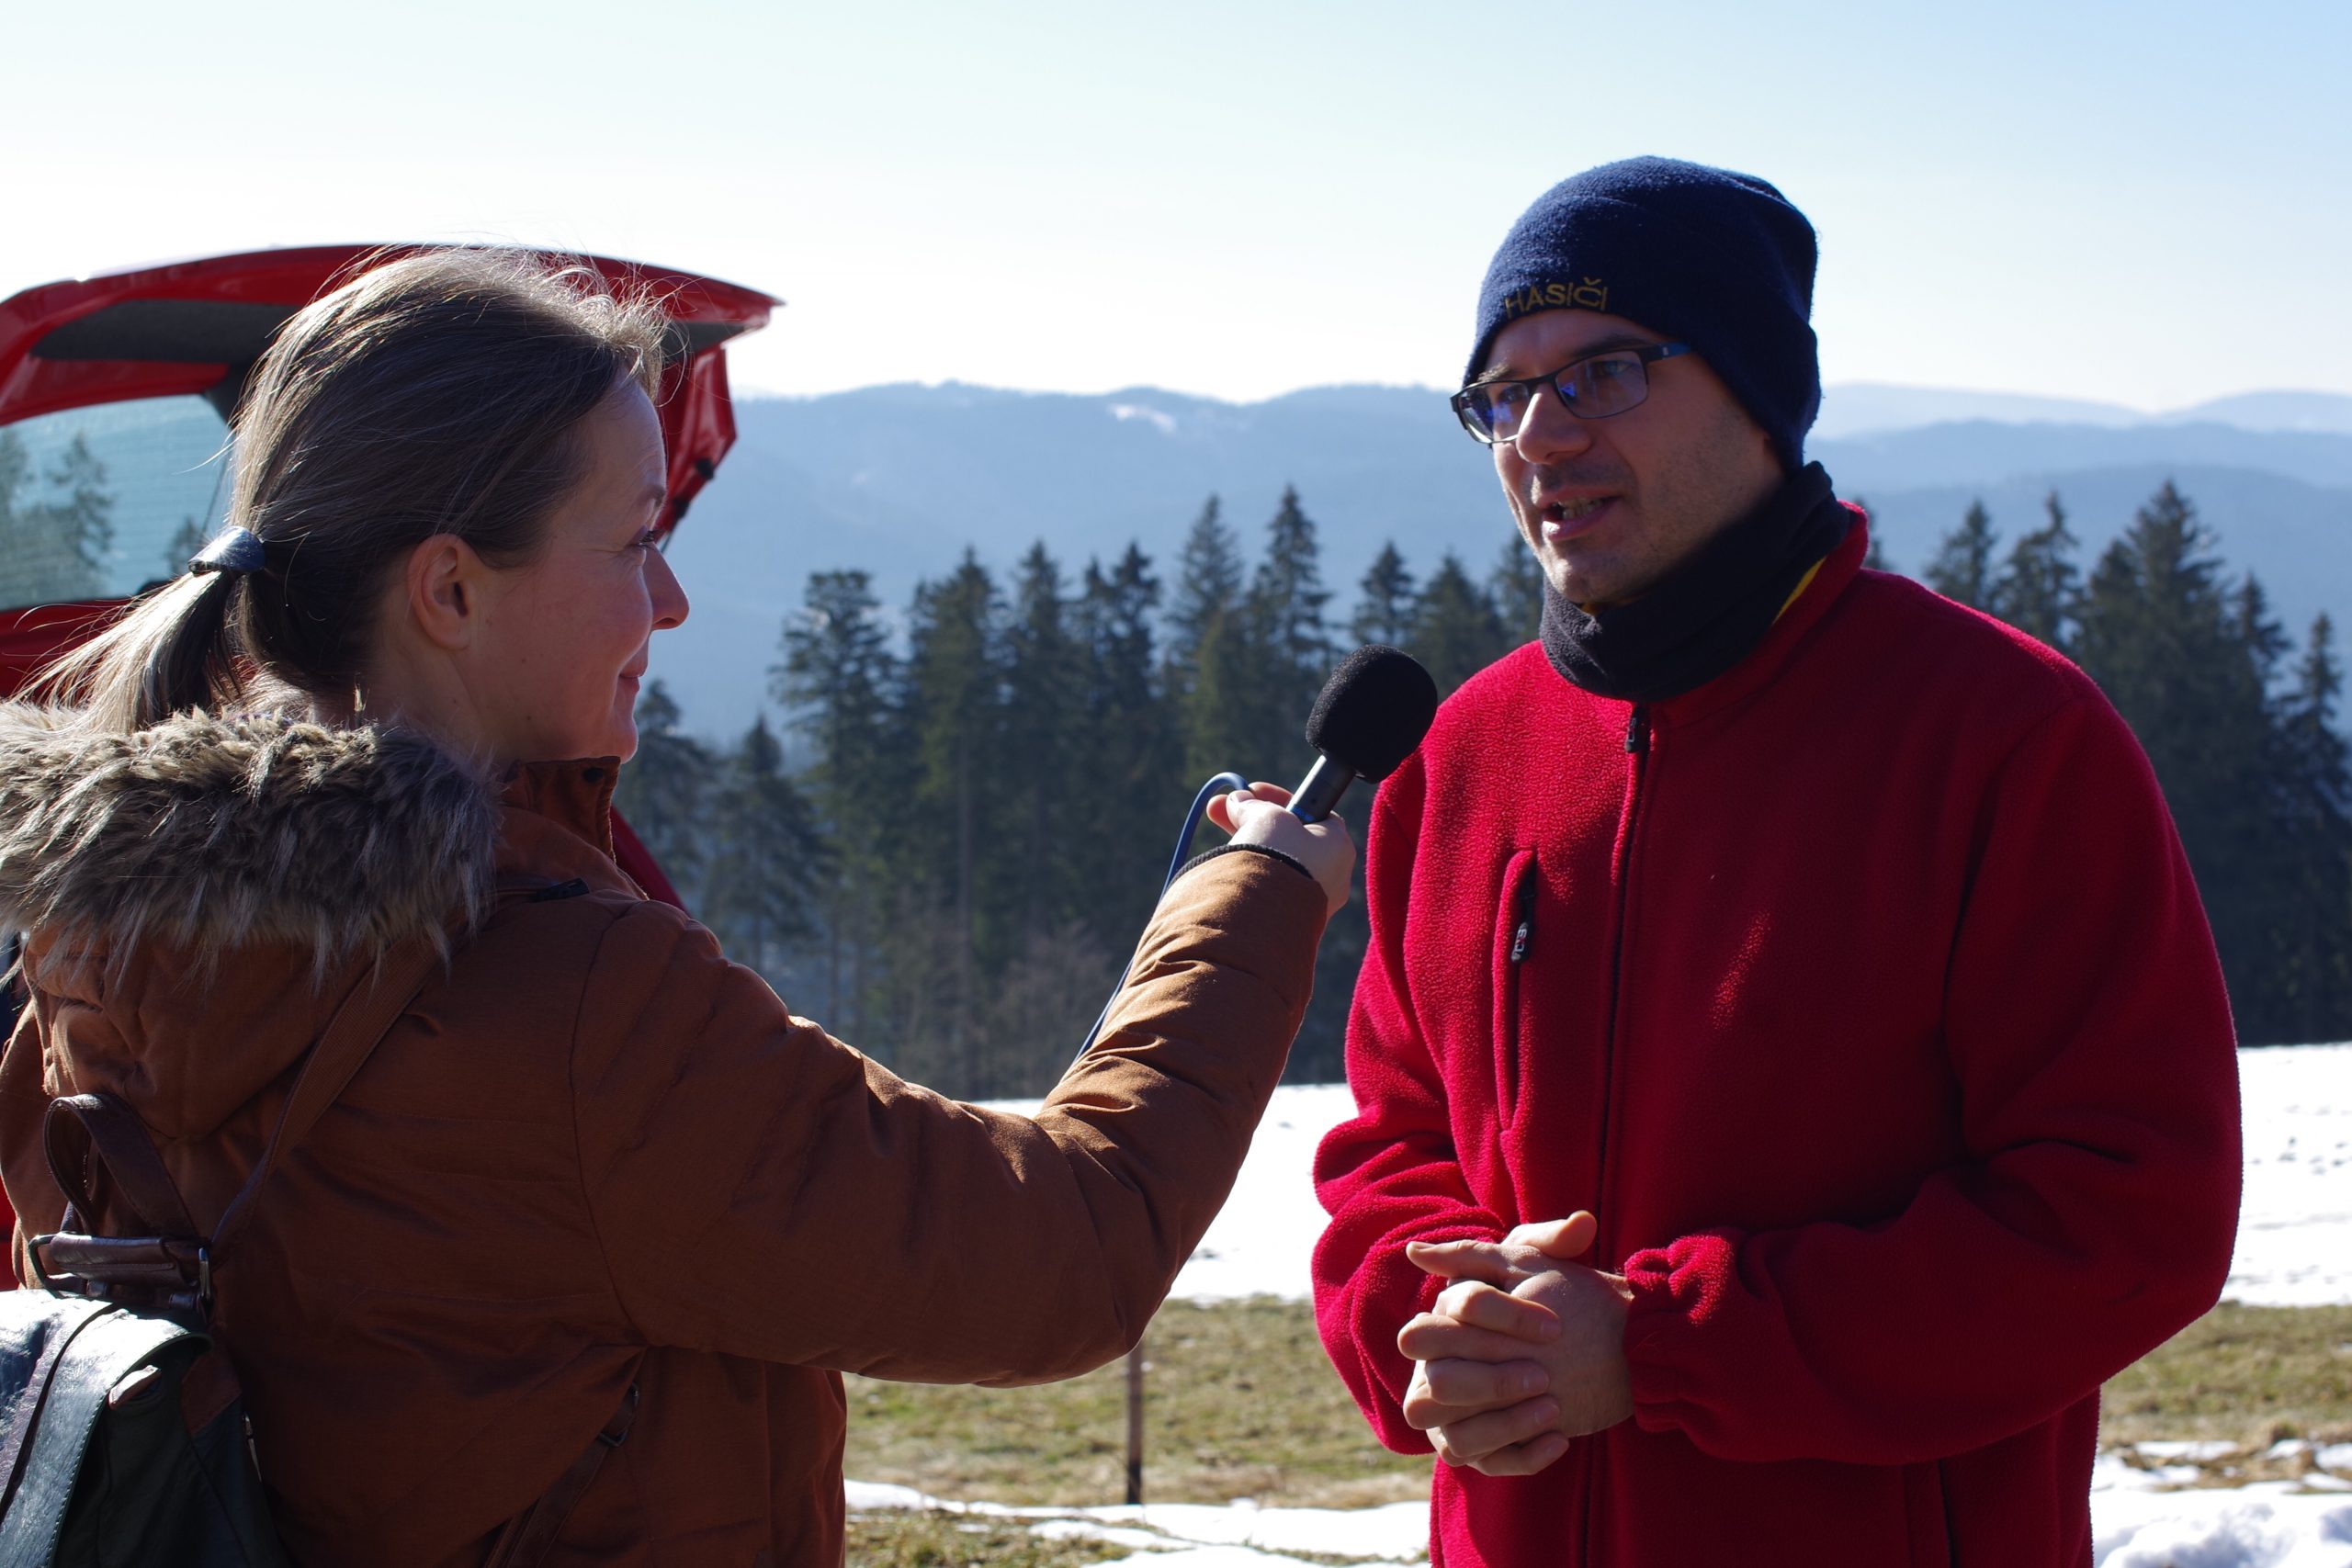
[(1863, 994)]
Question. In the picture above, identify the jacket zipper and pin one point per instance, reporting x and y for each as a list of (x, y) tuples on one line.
[(1524, 932), (1637, 747), (1522, 902)]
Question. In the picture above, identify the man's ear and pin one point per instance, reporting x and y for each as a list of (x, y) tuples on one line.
[(447, 584)]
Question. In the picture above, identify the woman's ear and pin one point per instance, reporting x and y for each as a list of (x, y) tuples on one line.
[(447, 585)]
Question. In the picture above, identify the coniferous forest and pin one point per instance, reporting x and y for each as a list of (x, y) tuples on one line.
[(987, 784)]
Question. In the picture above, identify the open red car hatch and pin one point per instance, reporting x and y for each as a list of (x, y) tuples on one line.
[(115, 396)]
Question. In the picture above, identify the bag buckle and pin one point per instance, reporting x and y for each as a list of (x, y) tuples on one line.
[(616, 1430)]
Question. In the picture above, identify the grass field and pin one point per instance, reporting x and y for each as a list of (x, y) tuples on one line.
[(2244, 1375), (1240, 1403)]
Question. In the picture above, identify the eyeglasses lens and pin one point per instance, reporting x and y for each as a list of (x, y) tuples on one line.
[(1493, 412), (1607, 384), (1590, 388)]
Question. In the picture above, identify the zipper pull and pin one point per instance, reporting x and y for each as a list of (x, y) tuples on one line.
[(1525, 932), (1637, 733)]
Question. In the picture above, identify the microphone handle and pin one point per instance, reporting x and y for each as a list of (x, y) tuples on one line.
[(1320, 792)]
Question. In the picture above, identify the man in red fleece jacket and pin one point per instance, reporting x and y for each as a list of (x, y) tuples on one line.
[(1792, 1065)]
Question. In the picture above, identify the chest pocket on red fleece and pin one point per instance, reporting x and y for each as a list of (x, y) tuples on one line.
[(1513, 946)]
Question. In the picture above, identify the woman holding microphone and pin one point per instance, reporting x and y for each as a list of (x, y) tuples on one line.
[(592, 1177)]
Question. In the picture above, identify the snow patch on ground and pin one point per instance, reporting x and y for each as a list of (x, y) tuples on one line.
[(2261, 1525), (2295, 1223), (2267, 1524), (1263, 1239)]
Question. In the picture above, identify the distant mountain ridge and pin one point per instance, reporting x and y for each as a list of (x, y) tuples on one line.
[(1860, 407), (901, 479)]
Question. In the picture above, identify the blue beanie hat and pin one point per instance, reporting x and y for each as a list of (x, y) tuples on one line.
[(1720, 261)]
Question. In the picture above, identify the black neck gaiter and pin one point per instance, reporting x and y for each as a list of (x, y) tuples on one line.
[(1713, 609)]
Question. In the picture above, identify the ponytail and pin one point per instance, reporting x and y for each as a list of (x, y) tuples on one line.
[(165, 653)]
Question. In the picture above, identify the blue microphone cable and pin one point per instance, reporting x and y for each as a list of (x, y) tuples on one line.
[(1209, 791)]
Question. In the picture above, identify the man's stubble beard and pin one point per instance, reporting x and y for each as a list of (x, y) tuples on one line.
[(1688, 502)]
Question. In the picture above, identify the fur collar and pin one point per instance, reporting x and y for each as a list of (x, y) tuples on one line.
[(212, 833)]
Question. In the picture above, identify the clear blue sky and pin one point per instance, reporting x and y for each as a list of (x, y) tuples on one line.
[(2146, 203)]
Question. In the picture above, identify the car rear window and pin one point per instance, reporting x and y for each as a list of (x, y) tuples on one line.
[(97, 503)]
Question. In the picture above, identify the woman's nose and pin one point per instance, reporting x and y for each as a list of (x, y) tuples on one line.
[(669, 595)]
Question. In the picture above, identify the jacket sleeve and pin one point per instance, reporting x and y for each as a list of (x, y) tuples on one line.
[(2094, 1211), (1390, 1175), (761, 1189)]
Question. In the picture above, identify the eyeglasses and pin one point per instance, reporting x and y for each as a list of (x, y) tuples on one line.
[(1593, 387)]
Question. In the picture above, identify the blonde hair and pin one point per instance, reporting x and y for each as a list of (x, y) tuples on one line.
[(437, 393)]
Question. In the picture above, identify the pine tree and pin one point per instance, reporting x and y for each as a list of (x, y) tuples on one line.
[(1284, 672), (85, 517), (664, 788), (2040, 591), (1516, 586), (1455, 630), (16, 470), (58, 549), (840, 680), (2157, 632), (955, 702), (765, 876), (1046, 686), (1963, 567), (1290, 641), (2265, 825), (2166, 639), (1130, 743), (2264, 640), (1384, 614), (1222, 713), (2316, 896), (16, 540), (1210, 652), (1208, 588)]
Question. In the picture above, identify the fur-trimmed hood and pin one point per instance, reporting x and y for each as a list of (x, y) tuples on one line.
[(214, 832)]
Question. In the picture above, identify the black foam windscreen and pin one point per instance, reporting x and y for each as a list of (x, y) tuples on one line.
[(1373, 711)]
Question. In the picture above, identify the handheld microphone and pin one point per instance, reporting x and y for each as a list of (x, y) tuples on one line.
[(1372, 713)]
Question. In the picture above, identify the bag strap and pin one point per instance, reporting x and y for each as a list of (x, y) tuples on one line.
[(359, 1025), (114, 1131), (72, 1316)]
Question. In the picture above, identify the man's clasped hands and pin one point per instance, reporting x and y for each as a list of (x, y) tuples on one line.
[(1524, 1350)]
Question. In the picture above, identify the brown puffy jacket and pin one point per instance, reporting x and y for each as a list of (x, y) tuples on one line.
[(593, 1152)]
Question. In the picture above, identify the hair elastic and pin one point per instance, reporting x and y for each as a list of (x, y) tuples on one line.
[(234, 550)]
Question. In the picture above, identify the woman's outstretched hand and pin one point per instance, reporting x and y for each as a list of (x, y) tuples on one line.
[(1255, 816)]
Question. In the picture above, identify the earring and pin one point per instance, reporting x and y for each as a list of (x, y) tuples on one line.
[(358, 700)]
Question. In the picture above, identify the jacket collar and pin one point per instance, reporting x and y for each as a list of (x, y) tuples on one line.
[(1803, 613), (220, 832), (1711, 611), (557, 824)]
